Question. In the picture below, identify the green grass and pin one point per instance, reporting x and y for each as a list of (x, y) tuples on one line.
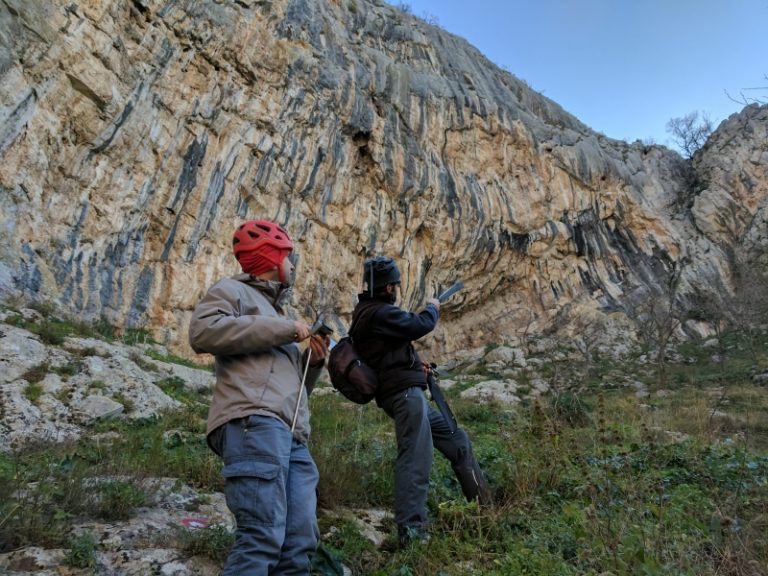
[(588, 481), (173, 359), (213, 542), (588, 500)]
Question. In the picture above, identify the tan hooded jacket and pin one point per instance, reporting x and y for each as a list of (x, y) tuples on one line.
[(258, 365)]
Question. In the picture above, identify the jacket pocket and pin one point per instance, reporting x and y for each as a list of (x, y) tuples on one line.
[(254, 492)]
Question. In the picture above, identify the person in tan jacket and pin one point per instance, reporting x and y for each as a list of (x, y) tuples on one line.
[(258, 421)]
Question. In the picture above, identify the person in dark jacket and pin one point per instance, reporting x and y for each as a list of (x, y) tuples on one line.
[(258, 421), (383, 334)]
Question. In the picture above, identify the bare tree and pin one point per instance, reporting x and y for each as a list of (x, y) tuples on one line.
[(690, 132), (746, 100), (658, 315), (746, 308), (589, 333)]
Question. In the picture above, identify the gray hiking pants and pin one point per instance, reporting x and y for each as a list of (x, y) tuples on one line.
[(270, 482), (417, 429)]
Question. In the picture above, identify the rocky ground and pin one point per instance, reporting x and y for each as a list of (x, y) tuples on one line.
[(56, 393)]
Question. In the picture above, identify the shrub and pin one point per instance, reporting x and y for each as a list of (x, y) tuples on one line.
[(117, 500), (66, 370)]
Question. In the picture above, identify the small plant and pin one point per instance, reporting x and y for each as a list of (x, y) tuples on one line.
[(345, 539), (145, 365), (66, 370), (50, 333), (33, 392), (104, 329), (36, 373), (82, 551), (64, 395), (98, 385), (570, 409), (117, 500), (134, 336), (213, 542), (173, 359), (174, 387), (127, 403)]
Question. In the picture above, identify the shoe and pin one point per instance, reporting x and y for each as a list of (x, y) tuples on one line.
[(407, 535)]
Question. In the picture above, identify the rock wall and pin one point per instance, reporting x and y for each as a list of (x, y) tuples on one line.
[(135, 135)]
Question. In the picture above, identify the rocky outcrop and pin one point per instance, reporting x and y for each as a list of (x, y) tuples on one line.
[(148, 543), (53, 394), (134, 135)]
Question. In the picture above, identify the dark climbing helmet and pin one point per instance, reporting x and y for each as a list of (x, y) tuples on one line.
[(381, 271), (254, 235)]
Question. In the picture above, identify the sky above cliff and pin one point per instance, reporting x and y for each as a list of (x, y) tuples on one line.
[(623, 67)]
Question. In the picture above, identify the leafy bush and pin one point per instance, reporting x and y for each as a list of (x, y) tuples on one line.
[(173, 386)]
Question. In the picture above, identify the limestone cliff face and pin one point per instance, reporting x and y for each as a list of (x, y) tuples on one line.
[(135, 135)]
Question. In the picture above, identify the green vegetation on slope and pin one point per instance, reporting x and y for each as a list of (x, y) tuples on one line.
[(589, 480)]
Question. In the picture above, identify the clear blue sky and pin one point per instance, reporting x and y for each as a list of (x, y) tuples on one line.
[(623, 67)]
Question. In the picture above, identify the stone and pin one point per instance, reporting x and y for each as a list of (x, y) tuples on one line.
[(447, 384), (31, 315), (96, 407), (502, 391), (641, 388), (373, 522), (506, 356), (102, 381), (539, 386), (20, 351)]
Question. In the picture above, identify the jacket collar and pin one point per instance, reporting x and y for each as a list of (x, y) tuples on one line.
[(366, 297), (276, 292)]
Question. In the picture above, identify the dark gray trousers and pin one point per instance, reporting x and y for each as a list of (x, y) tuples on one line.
[(417, 429)]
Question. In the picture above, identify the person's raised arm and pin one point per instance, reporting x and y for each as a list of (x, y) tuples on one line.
[(394, 322)]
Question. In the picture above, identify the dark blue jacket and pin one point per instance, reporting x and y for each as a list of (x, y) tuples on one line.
[(383, 336)]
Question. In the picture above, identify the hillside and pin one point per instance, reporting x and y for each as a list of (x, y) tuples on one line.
[(597, 466)]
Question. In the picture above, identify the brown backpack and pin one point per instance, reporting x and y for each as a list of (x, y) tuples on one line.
[(349, 374)]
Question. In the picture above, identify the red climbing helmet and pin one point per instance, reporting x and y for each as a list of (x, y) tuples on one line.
[(254, 235)]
